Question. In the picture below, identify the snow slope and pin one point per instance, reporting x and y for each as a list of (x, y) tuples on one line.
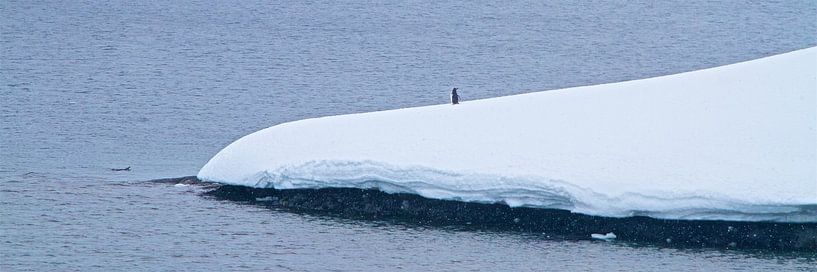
[(736, 142)]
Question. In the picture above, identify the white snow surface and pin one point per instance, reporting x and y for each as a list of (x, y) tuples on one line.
[(735, 142)]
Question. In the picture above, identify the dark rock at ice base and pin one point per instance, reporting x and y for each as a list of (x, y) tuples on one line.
[(371, 204), (374, 204)]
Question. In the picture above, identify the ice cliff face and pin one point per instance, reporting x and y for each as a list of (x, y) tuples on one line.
[(737, 142)]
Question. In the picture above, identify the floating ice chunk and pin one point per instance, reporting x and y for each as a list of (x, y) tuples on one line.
[(607, 237), (263, 199)]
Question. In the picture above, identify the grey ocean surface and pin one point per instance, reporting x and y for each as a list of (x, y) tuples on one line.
[(161, 86)]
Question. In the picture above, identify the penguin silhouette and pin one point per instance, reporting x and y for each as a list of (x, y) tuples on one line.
[(455, 99)]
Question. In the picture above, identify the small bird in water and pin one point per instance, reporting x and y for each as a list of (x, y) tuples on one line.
[(121, 169), (455, 99)]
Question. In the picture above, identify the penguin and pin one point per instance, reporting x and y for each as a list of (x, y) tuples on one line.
[(455, 99)]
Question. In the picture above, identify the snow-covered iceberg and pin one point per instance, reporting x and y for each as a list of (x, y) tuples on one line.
[(736, 142)]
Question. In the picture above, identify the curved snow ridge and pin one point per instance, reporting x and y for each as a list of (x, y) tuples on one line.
[(735, 142), (521, 192), (418, 180)]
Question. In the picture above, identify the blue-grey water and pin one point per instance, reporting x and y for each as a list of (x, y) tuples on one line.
[(161, 86)]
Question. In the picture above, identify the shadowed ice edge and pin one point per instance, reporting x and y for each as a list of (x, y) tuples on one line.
[(520, 192)]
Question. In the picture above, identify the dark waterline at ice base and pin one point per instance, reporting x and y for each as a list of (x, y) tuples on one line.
[(372, 204)]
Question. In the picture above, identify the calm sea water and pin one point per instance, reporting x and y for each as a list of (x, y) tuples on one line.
[(161, 86)]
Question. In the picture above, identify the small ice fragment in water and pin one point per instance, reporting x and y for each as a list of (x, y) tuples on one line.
[(607, 237)]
